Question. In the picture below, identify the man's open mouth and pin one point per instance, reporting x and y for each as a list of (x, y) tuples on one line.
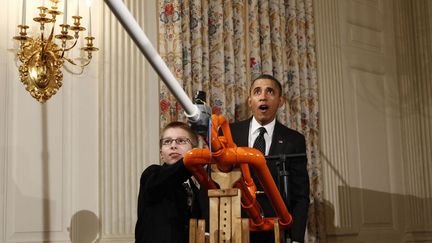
[(263, 107)]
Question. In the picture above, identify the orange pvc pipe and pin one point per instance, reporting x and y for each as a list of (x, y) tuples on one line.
[(258, 162), (194, 161), (220, 122), (195, 158), (227, 155), (249, 203), (223, 123)]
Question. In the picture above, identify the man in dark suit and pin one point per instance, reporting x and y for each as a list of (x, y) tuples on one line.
[(265, 97)]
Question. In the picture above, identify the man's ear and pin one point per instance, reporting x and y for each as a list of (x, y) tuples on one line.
[(249, 101), (281, 101)]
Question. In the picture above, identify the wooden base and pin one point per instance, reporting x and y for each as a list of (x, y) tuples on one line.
[(225, 222)]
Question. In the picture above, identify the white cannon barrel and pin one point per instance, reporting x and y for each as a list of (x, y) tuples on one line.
[(139, 37)]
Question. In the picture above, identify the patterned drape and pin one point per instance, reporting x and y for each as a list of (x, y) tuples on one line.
[(218, 46)]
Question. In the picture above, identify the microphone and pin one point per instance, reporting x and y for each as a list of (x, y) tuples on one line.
[(201, 125)]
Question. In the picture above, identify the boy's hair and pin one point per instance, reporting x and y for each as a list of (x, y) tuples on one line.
[(177, 124), (267, 76)]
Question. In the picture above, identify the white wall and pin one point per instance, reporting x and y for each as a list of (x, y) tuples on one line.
[(54, 158), (372, 58), (49, 172)]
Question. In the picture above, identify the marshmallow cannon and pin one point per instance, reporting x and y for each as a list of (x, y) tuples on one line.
[(231, 169), (230, 163)]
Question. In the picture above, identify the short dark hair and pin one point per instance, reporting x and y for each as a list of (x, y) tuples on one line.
[(267, 76), (178, 124)]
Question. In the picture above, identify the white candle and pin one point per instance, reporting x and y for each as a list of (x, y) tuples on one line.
[(89, 31), (23, 21), (65, 12), (43, 2), (77, 8)]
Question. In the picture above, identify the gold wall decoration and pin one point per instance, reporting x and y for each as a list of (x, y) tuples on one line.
[(42, 57)]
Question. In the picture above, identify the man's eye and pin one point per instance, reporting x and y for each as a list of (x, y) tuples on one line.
[(181, 140)]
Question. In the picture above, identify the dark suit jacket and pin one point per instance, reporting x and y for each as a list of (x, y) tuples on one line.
[(163, 214), (284, 141)]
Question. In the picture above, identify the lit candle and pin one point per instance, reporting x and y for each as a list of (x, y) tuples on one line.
[(77, 8), (65, 12), (23, 21)]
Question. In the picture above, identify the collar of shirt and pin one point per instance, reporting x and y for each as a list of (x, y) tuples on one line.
[(254, 132)]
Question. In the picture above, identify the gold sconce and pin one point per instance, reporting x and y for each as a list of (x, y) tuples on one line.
[(42, 58)]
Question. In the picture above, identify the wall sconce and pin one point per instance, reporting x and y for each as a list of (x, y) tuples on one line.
[(42, 58)]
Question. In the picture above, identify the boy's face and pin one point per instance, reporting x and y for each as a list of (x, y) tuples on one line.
[(264, 100), (175, 143)]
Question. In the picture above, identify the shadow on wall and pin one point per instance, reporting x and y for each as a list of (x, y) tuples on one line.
[(363, 215), (84, 227), (353, 214)]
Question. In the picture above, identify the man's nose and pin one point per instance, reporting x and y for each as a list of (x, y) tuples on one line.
[(263, 96)]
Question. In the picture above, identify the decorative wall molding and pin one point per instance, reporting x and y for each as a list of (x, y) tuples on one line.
[(334, 151), (414, 50), (4, 88), (129, 121)]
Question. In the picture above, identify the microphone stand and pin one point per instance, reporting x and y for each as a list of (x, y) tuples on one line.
[(282, 163)]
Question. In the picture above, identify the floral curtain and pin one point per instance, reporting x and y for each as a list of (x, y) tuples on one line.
[(218, 46), (203, 44)]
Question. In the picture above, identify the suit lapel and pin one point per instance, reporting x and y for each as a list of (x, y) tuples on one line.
[(278, 141), (243, 128)]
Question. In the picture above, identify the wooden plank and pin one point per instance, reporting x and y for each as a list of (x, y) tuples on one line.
[(200, 231), (236, 218), (225, 220), (276, 231), (236, 230), (245, 230), (192, 229), (214, 219), (223, 192), (226, 180)]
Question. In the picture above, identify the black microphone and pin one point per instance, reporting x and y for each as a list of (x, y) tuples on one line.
[(202, 125)]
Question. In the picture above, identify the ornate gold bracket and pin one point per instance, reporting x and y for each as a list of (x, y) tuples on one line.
[(42, 59)]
